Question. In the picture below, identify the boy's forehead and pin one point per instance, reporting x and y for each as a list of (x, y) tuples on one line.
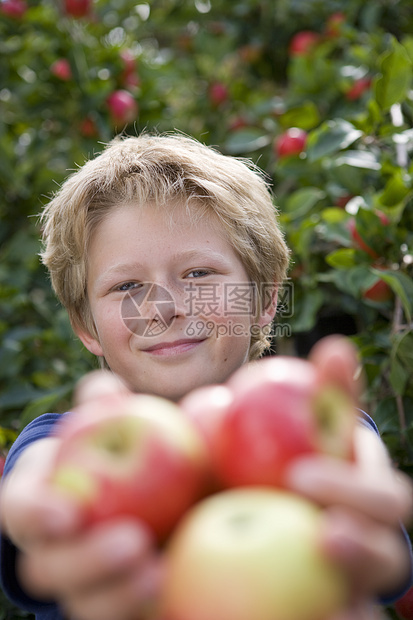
[(192, 211)]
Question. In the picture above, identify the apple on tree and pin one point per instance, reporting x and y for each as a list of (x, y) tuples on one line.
[(303, 42), (61, 69), (78, 8), (358, 88), (218, 93), (13, 8), (136, 456), (88, 127), (379, 292), (279, 411), (251, 554), (292, 142), (122, 106)]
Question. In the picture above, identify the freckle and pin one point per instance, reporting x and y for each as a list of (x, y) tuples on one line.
[(226, 359)]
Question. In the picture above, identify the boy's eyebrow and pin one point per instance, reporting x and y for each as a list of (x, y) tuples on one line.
[(198, 254)]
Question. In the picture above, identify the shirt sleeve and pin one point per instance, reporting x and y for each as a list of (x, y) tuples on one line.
[(40, 428), (367, 421)]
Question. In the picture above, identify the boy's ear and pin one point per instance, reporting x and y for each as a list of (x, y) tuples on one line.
[(269, 300), (90, 342)]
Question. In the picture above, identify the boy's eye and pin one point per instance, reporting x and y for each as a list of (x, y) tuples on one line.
[(127, 286), (198, 273)]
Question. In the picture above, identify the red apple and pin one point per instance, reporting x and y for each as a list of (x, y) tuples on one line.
[(128, 60), (122, 106), (78, 8), (136, 456), (291, 142), (251, 554), (13, 8), (218, 93), (404, 606), (358, 88), (88, 127), (129, 75), (280, 411), (334, 24), (379, 292), (303, 42), (61, 69), (341, 201)]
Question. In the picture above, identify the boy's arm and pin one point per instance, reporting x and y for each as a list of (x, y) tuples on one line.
[(106, 572), (35, 431)]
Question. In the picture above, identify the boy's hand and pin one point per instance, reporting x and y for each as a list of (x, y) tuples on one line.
[(109, 572), (365, 501)]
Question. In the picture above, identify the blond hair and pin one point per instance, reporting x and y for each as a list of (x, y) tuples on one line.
[(161, 169)]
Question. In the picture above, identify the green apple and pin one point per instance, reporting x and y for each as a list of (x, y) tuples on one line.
[(251, 554)]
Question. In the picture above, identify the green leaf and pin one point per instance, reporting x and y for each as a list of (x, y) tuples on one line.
[(395, 80), (386, 416), (246, 141), (401, 362), (305, 318), (305, 116), (334, 215), (44, 404), (333, 136), (302, 201), (402, 286), (398, 376), (344, 258), (394, 192), (358, 159)]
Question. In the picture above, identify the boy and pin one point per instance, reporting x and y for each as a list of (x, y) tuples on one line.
[(167, 256)]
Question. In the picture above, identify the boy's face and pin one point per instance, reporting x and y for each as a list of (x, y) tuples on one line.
[(171, 302)]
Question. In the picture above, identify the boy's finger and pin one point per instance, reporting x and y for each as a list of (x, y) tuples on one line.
[(328, 481), (76, 566), (98, 384), (360, 610), (336, 360), (374, 555), (133, 596)]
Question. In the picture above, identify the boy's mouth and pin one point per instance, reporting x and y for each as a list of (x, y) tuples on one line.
[(176, 347)]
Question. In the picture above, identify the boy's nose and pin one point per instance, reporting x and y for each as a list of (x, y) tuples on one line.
[(151, 308)]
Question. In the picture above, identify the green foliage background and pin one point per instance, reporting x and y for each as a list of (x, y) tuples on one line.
[(357, 163)]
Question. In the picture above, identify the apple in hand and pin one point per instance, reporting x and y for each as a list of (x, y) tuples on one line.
[(251, 554), (130, 456), (280, 411)]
